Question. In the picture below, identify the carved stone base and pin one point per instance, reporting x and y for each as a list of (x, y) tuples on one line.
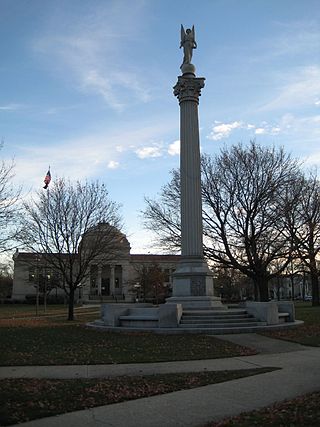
[(197, 303), (193, 285)]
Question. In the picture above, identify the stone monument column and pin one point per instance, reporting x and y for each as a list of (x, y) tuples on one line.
[(192, 280), (187, 91)]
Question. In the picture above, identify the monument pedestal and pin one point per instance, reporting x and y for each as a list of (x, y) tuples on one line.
[(193, 285)]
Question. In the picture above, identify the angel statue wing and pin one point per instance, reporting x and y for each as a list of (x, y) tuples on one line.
[(193, 33), (183, 34)]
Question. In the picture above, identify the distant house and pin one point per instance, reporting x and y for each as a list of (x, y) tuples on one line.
[(106, 281)]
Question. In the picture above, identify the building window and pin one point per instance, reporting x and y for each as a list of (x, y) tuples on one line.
[(93, 276), (32, 274)]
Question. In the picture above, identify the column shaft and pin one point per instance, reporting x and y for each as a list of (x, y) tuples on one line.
[(99, 277), (112, 279), (190, 173)]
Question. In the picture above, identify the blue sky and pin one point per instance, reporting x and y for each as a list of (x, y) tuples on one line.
[(86, 86)]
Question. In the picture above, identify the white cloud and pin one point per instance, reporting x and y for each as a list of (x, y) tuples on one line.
[(303, 87), (146, 152), (303, 130), (82, 157), (92, 80), (223, 130), (112, 164), (275, 130), (312, 160), (92, 53), (11, 107), (295, 38), (174, 148)]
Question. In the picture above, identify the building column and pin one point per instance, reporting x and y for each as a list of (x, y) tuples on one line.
[(112, 279), (99, 277)]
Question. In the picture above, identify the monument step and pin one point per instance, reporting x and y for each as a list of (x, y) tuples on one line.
[(202, 312), (138, 317), (217, 316), (220, 325), (213, 321), (139, 322)]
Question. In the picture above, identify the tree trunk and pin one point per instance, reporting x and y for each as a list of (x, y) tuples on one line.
[(255, 290), (278, 288), (292, 287), (261, 282), (71, 305), (315, 288)]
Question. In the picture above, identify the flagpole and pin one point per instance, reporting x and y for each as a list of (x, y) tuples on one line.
[(47, 182)]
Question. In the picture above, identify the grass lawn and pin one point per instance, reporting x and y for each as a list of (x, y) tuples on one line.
[(55, 341), (77, 345), (17, 311), (26, 399), (304, 411), (49, 339), (307, 334)]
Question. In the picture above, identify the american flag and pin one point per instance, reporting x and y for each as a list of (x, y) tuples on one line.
[(47, 179)]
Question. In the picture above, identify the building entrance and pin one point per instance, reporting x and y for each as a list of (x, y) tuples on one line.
[(105, 286)]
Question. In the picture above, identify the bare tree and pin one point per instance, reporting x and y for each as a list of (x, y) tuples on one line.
[(72, 226), (303, 217), (151, 280), (9, 196), (243, 211), (162, 216), (231, 285), (6, 280)]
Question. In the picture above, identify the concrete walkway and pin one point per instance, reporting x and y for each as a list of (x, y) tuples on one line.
[(300, 374)]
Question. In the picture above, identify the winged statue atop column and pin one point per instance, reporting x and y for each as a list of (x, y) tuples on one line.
[(188, 43)]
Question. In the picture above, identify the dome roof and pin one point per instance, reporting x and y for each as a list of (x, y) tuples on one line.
[(107, 237)]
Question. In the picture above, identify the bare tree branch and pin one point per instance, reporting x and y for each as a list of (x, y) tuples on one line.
[(243, 211), (71, 226), (303, 218)]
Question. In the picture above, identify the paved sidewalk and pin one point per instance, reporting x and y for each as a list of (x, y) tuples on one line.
[(300, 374)]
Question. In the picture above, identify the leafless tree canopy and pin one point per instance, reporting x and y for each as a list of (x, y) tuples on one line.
[(243, 192), (150, 279), (162, 216), (9, 196), (303, 218), (72, 225), (244, 210)]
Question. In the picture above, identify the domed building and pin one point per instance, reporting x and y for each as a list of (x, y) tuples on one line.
[(115, 276)]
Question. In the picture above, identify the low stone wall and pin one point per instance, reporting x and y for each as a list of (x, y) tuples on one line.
[(269, 311), (169, 315), (110, 313), (287, 307), (139, 315)]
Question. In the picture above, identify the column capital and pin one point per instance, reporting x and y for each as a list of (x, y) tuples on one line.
[(188, 88)]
